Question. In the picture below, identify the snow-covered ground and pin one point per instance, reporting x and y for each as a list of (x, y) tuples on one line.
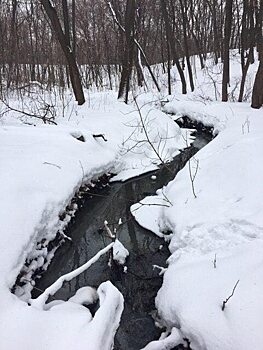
[(215, 223), (42, 166)]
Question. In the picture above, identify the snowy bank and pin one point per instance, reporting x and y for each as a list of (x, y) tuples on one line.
[(216, 222), (42, 167)]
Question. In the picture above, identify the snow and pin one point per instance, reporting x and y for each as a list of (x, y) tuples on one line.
[(166, 343), (120, 253), (200, 289), (67, 325), (217, 235), (85, 296), (42, 167)]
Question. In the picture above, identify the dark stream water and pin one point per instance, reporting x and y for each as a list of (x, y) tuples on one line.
[(140, 284)]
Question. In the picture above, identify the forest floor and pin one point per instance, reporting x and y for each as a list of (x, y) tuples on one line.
[(215, 220)]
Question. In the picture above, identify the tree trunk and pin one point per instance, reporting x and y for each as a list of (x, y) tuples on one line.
[(257, 94), (63, 41), (169, 69), (12, 38), (244, 75), (73, 8), (171, 40), (227, 35), (139, 70), (137, 44), (127, 63), (184, 15)]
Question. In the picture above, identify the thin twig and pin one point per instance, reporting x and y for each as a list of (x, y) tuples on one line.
[(147, 137), (154, 204), (57, 166), (230, 296), (215, 261), (166, 198), (43, 118), (192, 177)]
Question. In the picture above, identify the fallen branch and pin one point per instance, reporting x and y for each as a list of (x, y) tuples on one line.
[(43, 117), (51, 290), (100, 135)]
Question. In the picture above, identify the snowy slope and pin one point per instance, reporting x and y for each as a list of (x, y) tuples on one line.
[(42, 166), (217, 237)]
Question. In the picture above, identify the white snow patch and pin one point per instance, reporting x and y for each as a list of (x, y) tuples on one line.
[(120, 253)]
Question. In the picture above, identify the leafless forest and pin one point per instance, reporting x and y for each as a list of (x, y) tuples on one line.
[(71, 43)]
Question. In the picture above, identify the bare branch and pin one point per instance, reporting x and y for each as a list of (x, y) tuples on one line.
[(51, 290), (193, 176), (43, 117), (230, 296), (100, 135), (57, 166), (147, 137), (110, 234)]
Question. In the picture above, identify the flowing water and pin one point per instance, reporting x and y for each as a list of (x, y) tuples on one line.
[(141, 283)]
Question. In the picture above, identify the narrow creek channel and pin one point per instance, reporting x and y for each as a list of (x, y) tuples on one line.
[(140, 284)]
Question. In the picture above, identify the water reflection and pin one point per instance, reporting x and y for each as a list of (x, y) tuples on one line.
[(140, 284)]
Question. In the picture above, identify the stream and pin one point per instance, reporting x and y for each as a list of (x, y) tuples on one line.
[(141, 283)]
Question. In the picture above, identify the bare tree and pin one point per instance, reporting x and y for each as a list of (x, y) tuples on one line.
[(257, 94), (135, 42), (247, 42), (165, 31), (64, 41), (227, 35), (184, 6), (127, 63), (171, 43)]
